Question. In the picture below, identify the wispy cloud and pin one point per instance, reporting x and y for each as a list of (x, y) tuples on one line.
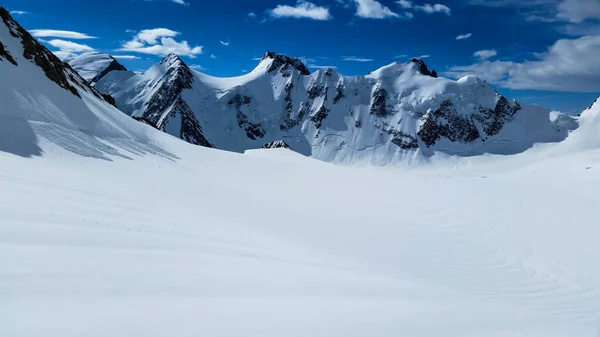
[(161, 42), (62, 34), (213, 56), (372, 9), (427, 8), (18, 12), (69, 46), (485, 54), (464, 36), (126, 57), (356, 59), (197, 67), (302, 10), (225, 43), (180, 2), (436, 8)]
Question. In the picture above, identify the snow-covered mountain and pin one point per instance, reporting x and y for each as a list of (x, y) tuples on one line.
[(93, 66), (390, 114), (45, 101)]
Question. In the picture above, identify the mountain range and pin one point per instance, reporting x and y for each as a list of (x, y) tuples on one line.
[(400, 112)]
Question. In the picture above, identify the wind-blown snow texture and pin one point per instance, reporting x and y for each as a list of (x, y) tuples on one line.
[(45, 100), (163, 238), (397, 113), (93, 66)]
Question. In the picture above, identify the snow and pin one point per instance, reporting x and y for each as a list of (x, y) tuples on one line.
[(339, 140), (90, 65), (271, 243), (111, 228)]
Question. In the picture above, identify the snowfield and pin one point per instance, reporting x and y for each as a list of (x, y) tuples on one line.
[(270, 243)]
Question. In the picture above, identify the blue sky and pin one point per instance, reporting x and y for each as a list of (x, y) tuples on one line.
[(538, 51)]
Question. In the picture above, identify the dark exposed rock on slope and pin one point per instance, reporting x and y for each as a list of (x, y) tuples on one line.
[(56, 70)]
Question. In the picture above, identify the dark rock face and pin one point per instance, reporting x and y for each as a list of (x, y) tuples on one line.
[(286, 64), (145, 121), (114, 65), (290, 121), (493, 120), (339, 94), (191, 131), (178, 78), (318, 117), (315, 90), (401, 139), (279, 144), (6, 55), (423, 68), (54, 68), (109, 99), (446, 122), (253, 130), (167, 100), (379, 103)]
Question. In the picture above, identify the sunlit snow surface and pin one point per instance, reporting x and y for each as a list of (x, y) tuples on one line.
[(273, 244)]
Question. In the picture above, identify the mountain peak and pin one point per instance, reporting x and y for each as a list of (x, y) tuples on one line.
[(423, 68), (93, 66), (279, 61), (172, 60)]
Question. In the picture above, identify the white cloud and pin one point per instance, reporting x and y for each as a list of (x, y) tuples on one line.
[(69, 46), (579, 10), (402, 56), (213, 56), (302, 10), (485, 54), (161, 42), (181, 2), (225, 43), (570, 65), (435, 8), (151, 36), (356, 59), (18, 12), (405, 4), (252, 15), (427, 8), (423, 57), (197, 67), (464, 36), (125, 57), (372, 9), (63, 34)]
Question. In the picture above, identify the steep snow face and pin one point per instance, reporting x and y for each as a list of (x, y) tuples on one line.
[(45, 101), (157, 97), (399, 112), (93, 66)]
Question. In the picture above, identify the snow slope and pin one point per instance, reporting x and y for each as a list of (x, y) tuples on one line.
[(271, 243), (93, 66), (401, 112), (44, 100)]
